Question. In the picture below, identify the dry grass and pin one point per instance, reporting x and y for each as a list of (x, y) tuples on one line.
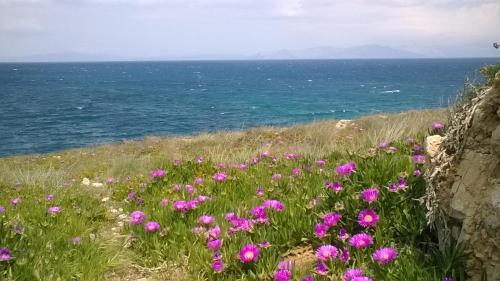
[(138, 157)]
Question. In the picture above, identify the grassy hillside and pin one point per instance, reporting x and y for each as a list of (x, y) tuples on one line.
[(109, 213)]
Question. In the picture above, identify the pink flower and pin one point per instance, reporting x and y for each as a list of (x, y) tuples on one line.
[(54, 210), (249, 253), (418, 159), (343, 235), (282, 275), (273, 204), (291, 156), (199, 159), (285, 265), (437, 126), (164, 202), (180, 206), (189, 189), (5, 254), (264, 244), (276, 177), (384, 255), (320, 163), (326, 252), (361, 240), (417, 173), (260, 191), (198, 181), (218, 266), (137, 217), (321, 268), (156, 174), (50, 197), (296, 171), (214, 245), (320, 230), (15, 201), (219, 177), (351, 273), (151, 226), (335, 186), (344, 255), (370, 195), (368, 217), (206, 220), (214, 232), (331, 219), (346, 169)]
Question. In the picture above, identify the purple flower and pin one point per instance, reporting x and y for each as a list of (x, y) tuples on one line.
[(50, 197), (291, 156), (5, 254), (214, 232), (190, 189), (217, 266), (260, 191), (259, 213), (320, 163), (199, 159), (321, 268), (2, 209), (368, 217), (282, 275), (417, 173), (273, 204), (344, 255), (296, 171), (447, 279), (309, 277), (346, 169), (384, 255), (219, 177), (249, 253), (437, 126), (362, 278), (230, 216), (402, 183), (370, 195), (214, 245), (206, 220), (331, 219), (137, 217), (264, 244), (76, 240), (177, 162), (361, 240), (131, 196), (54, 210), (343, 235), (335, 186), (320, 230), (351, 273), (418, 159), (326, 252), (198, 181), (151, 226), (383, 145), (15, 201), (158, 173), (180, 206), (197, 229), (393, 187)]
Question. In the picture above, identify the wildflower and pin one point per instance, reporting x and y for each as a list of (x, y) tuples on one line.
[(264, 244), (110, 180), (309, 277), (320, 163), (206, 220), (391, 149), (260, 191), (417, 173), (158, 173), (192, 204), (282, 275), (383, 145), (343, 235), (220, 166), (259, 212), (351, 273), (2, 209), (346, 169), (219, 177), (176, 187), (50, 197), (202, 198), (54, 210), (285, 265), (18, 229), (214, 232), (180, 206), (230, 216), (197, 229), (176, 162), (249, 253), (217, 255), (370, 195), (264, 154), (137, 217), (296, 171), (384, 255), (320, 230), (321, 268), (15, 201), (393, 187), (418, 159), (344, 255), (5, 254), (361, 240), (276, 177), (214, 245), (199, 159), (331, 219), (190, 189), (198, 181), (326, 252), (274, 204), (217, 266), (437, 126), (291, 156), (254, 160), (362, 278), (417, 147), (164, 202), (402, 183), (151, 226), (367, 217), (131, 196)]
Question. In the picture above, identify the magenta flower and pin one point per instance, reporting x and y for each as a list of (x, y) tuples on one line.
[(137, 217), (296, 171), (282, 275), (230, 216), (343, 235), (447, 279), (326, 252), (214, 245), (151, 226), (384, 255), (344, 255), (264, 244), (254, 160), (391, 149), (370, 195), (383, 145), (218, 266), (50, 197), (276, 177), (198, 181), (265, 154), (180, 206), (2, 209), (437, 126), (199, 159), (417, 173), (5, 254), (367, 218), (320, 163), (260, 191), (393, 187), (164, 202), (321, 268), (54, 210), (219, 177), (320, 230), (402, 183), (291, 156), (249, 253), (206, 220), (214, 232), (361, 240), (346, 169), (362, 278), (309, 277), (331, 219), (15, 201), (259, 213), (285, 265), (335, 186), (197, 229), (418, 159), (273, 204), (351, 273), (158, 173)]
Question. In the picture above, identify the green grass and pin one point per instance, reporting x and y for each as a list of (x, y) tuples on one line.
[(44, 250)]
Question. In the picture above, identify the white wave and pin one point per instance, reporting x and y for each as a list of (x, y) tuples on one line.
[(391, 92)]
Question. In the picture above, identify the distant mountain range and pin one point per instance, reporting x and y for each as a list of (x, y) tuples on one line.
[(357, 52)]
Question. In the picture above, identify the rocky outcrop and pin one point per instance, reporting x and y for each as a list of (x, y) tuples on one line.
[(464, 182)]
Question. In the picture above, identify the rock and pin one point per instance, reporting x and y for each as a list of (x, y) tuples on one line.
[(342, 124), (86, 181), (432, 144), (97, 184)]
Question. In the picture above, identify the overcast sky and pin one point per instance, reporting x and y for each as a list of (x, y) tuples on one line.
[(170, 28)]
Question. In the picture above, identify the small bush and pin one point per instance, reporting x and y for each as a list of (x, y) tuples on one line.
[(489, 72)]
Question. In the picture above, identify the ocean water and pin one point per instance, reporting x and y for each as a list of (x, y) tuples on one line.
[(52, 106)]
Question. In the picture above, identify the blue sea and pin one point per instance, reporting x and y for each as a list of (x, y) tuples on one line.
[(52, 106)]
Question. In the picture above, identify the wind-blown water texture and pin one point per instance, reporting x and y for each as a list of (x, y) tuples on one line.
[(46, 107)]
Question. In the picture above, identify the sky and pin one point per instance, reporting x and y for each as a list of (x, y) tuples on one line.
[(184, 28)]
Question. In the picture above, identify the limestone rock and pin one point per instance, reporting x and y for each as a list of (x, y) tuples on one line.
[(432, 144), (342, 124), (97, 184)]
